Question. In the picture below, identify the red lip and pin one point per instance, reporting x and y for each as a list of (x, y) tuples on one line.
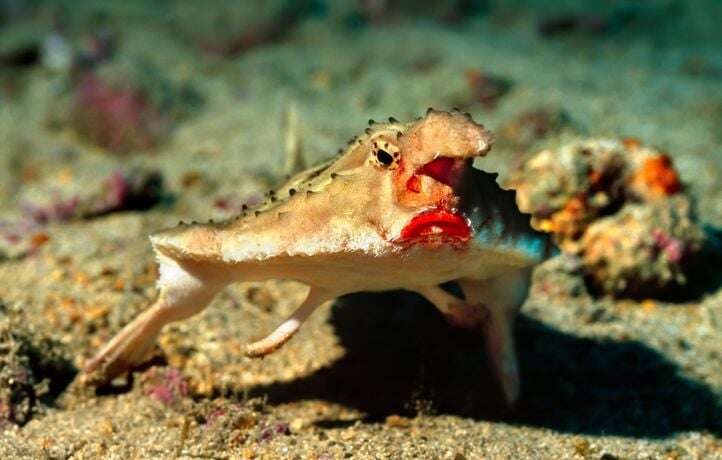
[(437, 225)]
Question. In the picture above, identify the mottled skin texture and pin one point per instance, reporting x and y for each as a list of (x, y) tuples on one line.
[(401, 208)]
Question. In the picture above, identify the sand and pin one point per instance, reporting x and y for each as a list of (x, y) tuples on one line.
[(370, 375)]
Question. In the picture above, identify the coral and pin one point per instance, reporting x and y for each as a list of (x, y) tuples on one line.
[(654, 175), (566, 190), (33, 369), (642, 248), (274, 430), (618, 205), (227, 423), (120, 119), (123, 104), (487, 88), (167, 386), (135, 189)]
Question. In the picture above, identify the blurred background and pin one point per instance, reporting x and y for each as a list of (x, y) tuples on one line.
[(121, 118)]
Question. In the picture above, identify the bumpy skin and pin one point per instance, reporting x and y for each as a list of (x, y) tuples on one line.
[(401, 208)]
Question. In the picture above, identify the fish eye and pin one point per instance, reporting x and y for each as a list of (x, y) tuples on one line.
[(385, 155)]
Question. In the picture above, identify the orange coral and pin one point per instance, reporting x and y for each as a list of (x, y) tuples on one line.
[(657, 176), (595, 178), (569, 222)]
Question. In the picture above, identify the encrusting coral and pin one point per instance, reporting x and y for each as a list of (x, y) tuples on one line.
[(619, 206)]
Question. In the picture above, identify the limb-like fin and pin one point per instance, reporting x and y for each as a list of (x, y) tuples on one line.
[(289, 327), (481, 311), (499, 338), (457, 312), (502, 297), (181, 295)]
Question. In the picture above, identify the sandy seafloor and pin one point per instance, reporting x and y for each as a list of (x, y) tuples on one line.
[(369, 376)]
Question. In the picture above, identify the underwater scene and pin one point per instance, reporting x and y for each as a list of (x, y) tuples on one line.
[(462, 229)]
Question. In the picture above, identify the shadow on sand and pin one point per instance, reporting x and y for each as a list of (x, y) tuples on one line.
[(400, 351)]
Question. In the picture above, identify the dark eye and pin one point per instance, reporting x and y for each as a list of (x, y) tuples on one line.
[(384, 157)]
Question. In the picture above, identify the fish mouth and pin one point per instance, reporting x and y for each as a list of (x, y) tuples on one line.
[(447, 170), (444, 170), (437, 226)]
